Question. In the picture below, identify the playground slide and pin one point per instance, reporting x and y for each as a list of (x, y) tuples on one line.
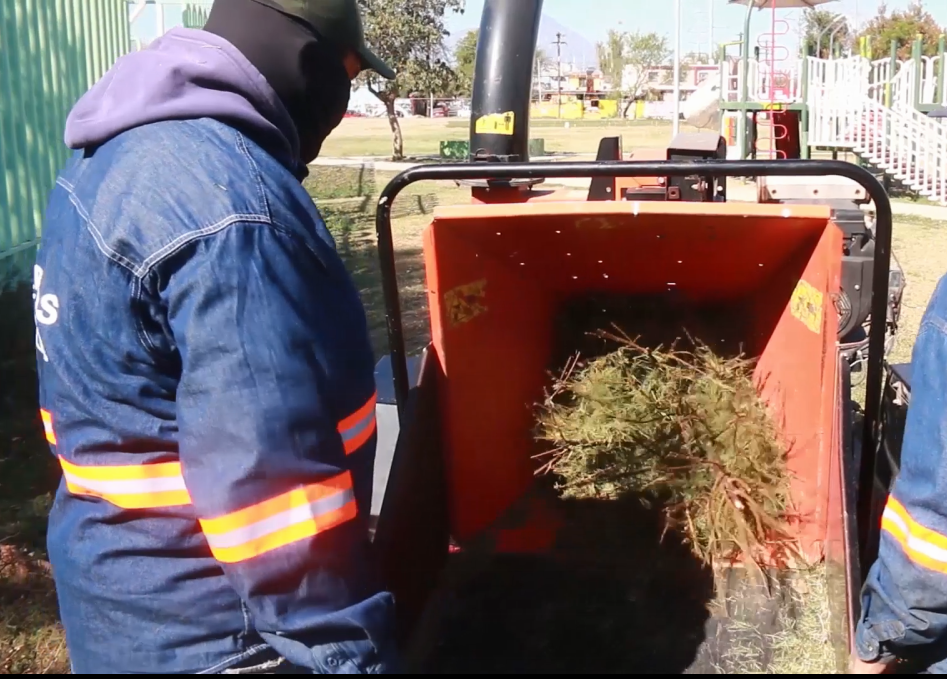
[(701, 109)]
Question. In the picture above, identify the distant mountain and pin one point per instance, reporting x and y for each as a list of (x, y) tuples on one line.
[(575, 46)]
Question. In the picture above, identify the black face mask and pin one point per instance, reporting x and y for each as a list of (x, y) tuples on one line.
[(306, 71)]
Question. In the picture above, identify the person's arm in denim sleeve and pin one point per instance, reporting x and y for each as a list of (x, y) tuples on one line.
[(904, 600), (263, 448)]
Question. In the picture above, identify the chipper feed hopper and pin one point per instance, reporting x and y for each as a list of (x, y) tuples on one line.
[(492, 570)]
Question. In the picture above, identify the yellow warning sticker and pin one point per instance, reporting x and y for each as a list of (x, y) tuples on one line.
[(465, 302), (772, 107), (806, 306), (496, 123)]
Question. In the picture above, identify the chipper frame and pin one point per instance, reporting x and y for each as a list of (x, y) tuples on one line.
[(455, 477)]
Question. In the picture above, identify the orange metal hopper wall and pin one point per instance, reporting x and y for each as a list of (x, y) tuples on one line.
[(498, 273)]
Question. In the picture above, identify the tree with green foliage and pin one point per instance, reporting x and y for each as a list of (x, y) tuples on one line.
[(613, 57), (902, 26), (821, 23), (633, 54), (410, 36), (465, 57)]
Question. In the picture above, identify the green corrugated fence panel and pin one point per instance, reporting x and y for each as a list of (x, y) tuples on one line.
[(51, 51)]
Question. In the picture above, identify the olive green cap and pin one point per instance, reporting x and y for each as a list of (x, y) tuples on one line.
[(339, 21)]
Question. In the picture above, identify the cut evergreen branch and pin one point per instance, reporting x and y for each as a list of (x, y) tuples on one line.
[(682, 430)]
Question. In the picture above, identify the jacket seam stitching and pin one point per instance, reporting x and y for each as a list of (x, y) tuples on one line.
[(249, 653), (94, 231), (289, 233), (257, 175), (191, 236), (936, 324)]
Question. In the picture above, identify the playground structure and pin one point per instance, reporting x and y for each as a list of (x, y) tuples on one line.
[(777, 107)]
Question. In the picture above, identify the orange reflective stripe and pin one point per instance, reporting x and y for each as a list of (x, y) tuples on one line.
[(297, 515), (144, 486), (358, 427), (48, 426), (921, 545)]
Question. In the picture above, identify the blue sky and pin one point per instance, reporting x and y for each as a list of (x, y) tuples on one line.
[(593, 18)]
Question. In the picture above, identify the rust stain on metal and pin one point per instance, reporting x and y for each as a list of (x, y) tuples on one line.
[(465, 302)]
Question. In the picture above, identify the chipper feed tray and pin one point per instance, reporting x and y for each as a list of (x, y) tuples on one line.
[(535, 583)]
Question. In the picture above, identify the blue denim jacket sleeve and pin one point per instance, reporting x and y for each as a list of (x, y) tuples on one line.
[(904, 600), (264, 332)]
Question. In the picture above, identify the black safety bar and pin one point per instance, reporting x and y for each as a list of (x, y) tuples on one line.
[(715, 168)]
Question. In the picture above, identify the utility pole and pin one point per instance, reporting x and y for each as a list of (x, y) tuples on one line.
[(559, 43)]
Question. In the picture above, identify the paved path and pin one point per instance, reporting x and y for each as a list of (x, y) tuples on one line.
[(737, 191)]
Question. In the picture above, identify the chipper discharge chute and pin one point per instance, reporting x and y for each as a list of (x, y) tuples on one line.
[(738, 550)]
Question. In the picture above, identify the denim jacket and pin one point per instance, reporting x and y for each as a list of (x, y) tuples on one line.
[(206, 382), (904, 600)]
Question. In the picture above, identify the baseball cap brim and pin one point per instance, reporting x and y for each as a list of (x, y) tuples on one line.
[(372, 61)]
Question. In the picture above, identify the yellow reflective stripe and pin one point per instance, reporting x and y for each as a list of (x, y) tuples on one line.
[(145, 486), (358, 427), (48, 426), (921, 545), (297, 515)]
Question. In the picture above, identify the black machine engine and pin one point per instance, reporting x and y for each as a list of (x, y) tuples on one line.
[(858, 245), (697, 146)]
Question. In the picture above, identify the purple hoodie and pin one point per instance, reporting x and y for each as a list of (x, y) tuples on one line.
[(184, 75)]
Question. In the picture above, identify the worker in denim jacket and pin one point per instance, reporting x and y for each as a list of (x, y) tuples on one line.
[(904, 601), (206, 374)]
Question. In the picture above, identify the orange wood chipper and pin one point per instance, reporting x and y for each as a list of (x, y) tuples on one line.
[(478, 554)]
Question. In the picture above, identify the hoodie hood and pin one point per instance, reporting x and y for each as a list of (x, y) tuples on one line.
[(185, 75)]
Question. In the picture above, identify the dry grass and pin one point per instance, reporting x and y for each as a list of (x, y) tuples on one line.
[(804, 646), (31, 639), (352, 223), (920, 246), (800, 641)]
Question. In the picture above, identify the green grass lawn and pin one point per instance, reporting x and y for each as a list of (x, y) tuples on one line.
[(30, 638), (422, 136)]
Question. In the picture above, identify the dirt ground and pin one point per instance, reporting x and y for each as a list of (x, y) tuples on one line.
[(31, 641)]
